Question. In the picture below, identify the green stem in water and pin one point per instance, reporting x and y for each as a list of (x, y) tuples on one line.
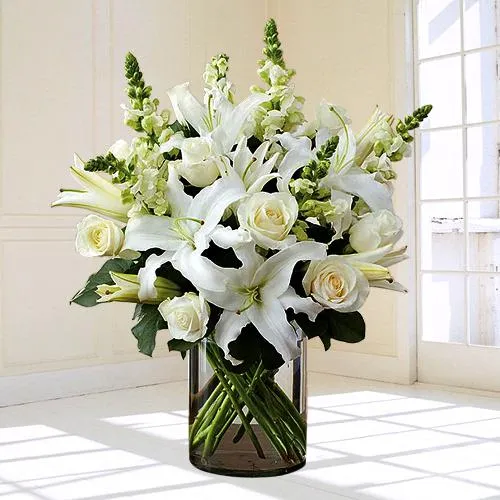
[(207, 407), (222, 373), (259, 412)]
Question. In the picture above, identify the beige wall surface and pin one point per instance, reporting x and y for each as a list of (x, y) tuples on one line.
[(61, 86)]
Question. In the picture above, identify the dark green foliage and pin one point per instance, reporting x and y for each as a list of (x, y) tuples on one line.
[(412, 122), (150, 321), (251, 347), (331, 324), (110, 165), (180, 346), (272, 49), (87, 296)]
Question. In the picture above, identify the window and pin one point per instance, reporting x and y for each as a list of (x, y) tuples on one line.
[(457, 57)]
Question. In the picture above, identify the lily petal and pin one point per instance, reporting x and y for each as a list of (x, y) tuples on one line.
[(150, 231), (270, 319), (147, 275), (210, 204), (227, 329), (389, 285), (239, 115), (178, 200), (274, 274), (376, 195), (187, 108), (306, 305)]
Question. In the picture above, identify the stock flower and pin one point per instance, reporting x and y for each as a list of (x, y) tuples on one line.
[(126, 289), (199, 163), (100, 196), (97, 236), (375, 230), (187, 316), (336, 284), (269, 217)]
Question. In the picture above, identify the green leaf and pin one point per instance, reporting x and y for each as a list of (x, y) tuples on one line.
[(318, 328), (346, 327), (331, 324), (150, 321), (180, 345), (87, 296)]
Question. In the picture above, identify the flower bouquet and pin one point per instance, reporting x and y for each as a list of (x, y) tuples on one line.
[(245, 230)]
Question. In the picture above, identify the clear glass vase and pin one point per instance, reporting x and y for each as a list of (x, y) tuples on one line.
[(251, 423)]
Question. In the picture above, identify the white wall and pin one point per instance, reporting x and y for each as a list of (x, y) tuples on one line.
[(61, 86)]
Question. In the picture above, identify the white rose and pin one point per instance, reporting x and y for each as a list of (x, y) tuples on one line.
[(187, 316), (336, 284), (97, 236), (120, 149), (375, 230), (269, 217), (199, 163)]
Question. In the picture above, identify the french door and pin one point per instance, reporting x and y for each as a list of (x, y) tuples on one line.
[(457, 56)]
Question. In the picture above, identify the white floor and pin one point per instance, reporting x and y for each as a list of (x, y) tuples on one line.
[(367, 440)]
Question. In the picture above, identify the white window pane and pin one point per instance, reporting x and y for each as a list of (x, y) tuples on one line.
[(484, 235), (481, 18), (482, 86), (440, 85), (443, 318), (438, 27), (483, 160), (442, 239), (441, 155), (484, 310)]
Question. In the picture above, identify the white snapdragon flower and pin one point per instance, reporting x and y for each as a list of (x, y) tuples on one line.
[(199, 163), (120, 150), (375, 230), (269, 218), (97, 237), (336, 284), (187, 316)]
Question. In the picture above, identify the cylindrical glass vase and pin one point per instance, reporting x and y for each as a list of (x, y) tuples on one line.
[(251, 423)]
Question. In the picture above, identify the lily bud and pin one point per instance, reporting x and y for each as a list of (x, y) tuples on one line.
[(126, 289)]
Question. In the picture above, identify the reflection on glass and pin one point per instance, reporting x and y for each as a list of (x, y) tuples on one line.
[(443, 318), (441, 154), (484, 235), (483, 160), (438, 27), (481, 19), (482, 86), (484, 310), (440, 84), (442, 236)]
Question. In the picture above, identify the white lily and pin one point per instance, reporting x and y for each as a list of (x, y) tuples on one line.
[(99, 196), (373, 264), (219, 119), (259, 293), (252, 168), (185, 234), (343, 176)]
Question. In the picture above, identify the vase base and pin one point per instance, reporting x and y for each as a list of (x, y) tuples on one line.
[(222, 471)]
